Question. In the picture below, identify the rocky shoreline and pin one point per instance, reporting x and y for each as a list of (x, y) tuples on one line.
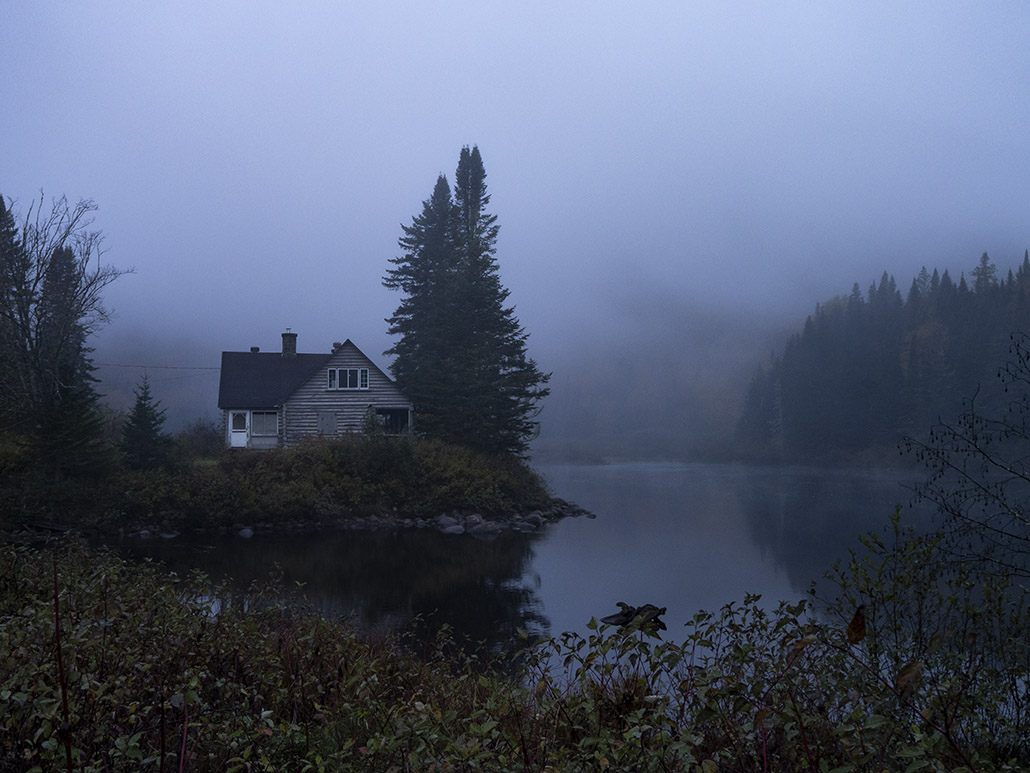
[(476, 524)]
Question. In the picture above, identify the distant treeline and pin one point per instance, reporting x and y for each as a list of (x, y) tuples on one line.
[(866, 371)]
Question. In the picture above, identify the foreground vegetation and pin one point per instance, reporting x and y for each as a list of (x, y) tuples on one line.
[(319, 482), (108, 665)]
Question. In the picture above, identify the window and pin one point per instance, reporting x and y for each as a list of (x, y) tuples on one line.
[(239, 422), (263, 423), (348, 378)]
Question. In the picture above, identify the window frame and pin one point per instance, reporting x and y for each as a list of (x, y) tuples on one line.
[(256, 429), (335, 382)]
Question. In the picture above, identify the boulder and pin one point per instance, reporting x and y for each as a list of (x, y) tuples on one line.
[(485, 527)]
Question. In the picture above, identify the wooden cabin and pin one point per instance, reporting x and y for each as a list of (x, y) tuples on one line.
[(276, 399)]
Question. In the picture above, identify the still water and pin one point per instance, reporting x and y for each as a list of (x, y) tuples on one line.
[(682, 536)]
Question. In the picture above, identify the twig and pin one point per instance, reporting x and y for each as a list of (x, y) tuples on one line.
[(185, 728), (65, 731)]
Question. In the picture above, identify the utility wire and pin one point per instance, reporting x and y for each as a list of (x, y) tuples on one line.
[(154, 367)]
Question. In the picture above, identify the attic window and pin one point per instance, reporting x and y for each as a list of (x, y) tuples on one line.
[(348, 378)]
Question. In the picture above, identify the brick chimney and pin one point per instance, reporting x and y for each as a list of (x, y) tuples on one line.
[(289, 344)]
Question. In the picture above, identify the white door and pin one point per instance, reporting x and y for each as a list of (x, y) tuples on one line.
[(237, 429)]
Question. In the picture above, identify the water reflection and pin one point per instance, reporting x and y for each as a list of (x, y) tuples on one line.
[(807, 518), (682, 536), (483, 589), (698, 536)]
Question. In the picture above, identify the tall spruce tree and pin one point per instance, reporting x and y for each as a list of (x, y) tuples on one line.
[(426, 273), (69, 425), (462, 354)]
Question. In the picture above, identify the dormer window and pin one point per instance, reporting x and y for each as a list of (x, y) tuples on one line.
[(348, 378)]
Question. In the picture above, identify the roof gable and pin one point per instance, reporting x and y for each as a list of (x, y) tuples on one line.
[(348, 350)]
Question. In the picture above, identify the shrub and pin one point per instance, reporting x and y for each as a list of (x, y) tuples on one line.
[(930, 673), (162, 672), (318, 481), (200, 439)]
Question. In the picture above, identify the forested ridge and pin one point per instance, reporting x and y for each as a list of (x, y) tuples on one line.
[(868, 369)]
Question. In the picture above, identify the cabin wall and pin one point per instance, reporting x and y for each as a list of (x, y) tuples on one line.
[(315, 409), (247, 438)]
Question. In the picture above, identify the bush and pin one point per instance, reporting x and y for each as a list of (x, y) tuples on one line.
[(930, 672), (201, 439), (318, 481), (166, 672)]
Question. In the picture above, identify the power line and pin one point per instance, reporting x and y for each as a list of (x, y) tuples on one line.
[(153, 367)]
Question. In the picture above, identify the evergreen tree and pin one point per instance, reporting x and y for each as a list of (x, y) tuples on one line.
[(462, 355), (14, 272), (50, 302), (69, 425), (144, 445), (985, 275), (426, 275)]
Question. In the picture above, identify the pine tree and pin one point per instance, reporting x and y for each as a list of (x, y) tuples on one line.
[(462, 355), (144, 445)]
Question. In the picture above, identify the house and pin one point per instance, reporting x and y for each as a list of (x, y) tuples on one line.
[(275, 399)]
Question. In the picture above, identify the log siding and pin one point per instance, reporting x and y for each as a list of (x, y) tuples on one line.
[(296, 387), (299, 413)]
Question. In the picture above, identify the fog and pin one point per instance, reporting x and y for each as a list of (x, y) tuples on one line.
[(677, 184)]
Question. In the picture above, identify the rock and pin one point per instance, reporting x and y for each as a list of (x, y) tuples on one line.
[(446, 521), (144, 534), (246, 532), (485, 527), (473, 520), (169, 534), (535, 518), (525, 525), (456, 528)]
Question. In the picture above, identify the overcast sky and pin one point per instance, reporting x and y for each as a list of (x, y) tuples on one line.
[(254, 161)]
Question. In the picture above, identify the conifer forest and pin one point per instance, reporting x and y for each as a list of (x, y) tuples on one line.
[(870, 368)]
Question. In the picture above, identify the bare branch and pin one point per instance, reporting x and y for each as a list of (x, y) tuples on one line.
[(979, 479)]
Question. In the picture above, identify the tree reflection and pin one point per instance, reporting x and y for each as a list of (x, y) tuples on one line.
[(806, 519), (483, 589)]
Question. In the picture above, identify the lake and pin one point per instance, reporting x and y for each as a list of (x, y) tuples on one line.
[(682, 536)]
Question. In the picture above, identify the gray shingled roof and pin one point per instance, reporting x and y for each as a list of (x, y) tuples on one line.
[(263, 379)]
